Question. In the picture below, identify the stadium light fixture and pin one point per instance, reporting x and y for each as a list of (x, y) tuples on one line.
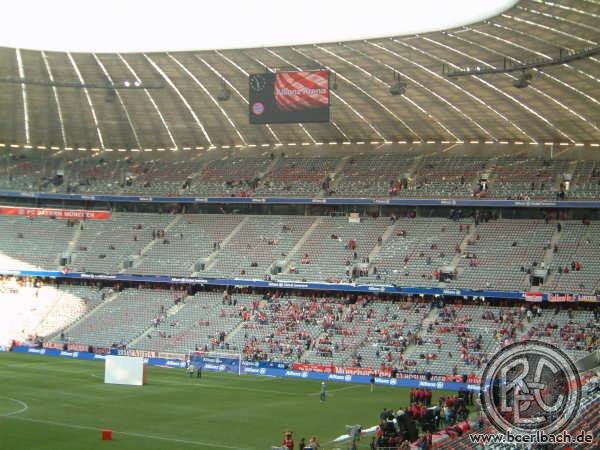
[(224, 93), (523, 80)]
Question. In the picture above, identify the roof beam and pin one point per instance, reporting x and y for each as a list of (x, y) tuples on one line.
[(57, 100), (212, 99), (89, 100)]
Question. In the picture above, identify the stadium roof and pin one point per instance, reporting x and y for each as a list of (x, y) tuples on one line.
[(171, 100), (115, 26)]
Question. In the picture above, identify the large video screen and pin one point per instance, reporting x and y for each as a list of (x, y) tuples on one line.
[(289, 97)]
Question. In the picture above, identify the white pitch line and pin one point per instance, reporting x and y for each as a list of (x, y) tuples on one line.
[(24, 407), (345, 388), (129, 433), (203, 384)]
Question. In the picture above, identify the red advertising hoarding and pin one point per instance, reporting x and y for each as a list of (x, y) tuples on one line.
[(54, 213)]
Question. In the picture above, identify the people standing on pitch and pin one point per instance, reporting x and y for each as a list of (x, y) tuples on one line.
[(199, 372), (323, 393), (372, 382), (190, 369)]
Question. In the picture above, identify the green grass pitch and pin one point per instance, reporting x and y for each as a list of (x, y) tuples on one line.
[(51, 403)]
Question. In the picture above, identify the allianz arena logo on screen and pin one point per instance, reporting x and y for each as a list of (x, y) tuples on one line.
[(302, 91)]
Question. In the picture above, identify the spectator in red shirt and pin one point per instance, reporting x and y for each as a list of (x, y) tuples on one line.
[(288, 442)]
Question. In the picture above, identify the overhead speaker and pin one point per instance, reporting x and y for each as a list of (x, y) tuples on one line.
[(523, 80), (398, 88)]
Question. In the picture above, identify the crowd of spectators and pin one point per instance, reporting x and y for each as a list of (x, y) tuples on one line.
[(416, 423)]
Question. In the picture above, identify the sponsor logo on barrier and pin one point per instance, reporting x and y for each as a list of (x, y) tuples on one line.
[(262, 371), (431, 384), (561, 298), (284, 284), (335, 377), (382, 201), (201, 200), (319, 200), (377, 288), (451, 292), (259, 200), (98, 276), (293, 373), (254, 370), (448, 202), (99, 356), (588, 298), (250, 363), (189, 280), (530, 203), (145, 199)]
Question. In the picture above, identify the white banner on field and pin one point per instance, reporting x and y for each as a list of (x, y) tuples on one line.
[(124, 370)]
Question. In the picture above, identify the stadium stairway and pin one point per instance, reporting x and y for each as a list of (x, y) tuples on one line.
[(168, 313), (463, 247), (198, 172), (229, 337), (384, 237), (210, 261), (151, 244), (270, 167), (74, 240), (316, 224), (83, 317), (549, 255), (337, 171)]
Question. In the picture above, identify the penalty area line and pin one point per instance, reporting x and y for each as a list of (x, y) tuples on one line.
[(128, 433), (346, 388), (24, 407)]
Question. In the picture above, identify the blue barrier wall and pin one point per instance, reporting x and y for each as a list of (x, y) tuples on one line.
[(336, 287), (309, 201), (253, 368)]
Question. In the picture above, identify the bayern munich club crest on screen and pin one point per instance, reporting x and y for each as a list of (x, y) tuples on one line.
[(258, 108)]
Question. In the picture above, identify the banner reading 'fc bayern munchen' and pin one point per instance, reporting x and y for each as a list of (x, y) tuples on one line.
[(289, 97)]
